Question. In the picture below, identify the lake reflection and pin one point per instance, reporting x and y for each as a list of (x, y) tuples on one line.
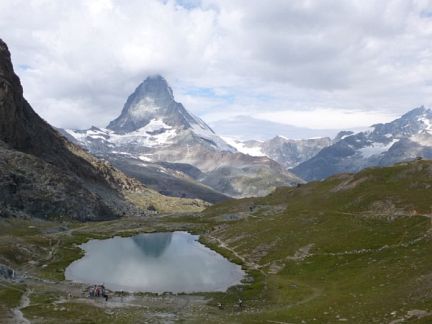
[(153, 244), (155, 262)]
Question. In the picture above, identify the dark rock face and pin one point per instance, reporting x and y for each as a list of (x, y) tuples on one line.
[(44, 175), (403, 139), (30, 186), (20, 127), (6, 272)]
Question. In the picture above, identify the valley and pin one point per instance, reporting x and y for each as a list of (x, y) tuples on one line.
[(312, 254)]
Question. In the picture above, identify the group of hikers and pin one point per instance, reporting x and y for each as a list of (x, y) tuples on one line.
[(98, 291)]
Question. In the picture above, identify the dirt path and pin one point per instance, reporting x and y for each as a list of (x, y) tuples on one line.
[(249, 264), (18, 314)]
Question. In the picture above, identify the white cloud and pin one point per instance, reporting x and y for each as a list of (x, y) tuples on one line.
[(307, 63), (97, 52), (327, 118)]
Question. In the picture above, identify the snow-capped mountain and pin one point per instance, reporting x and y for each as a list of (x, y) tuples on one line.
[(405, 138), (151, 119), (287, 152), (154, 128)]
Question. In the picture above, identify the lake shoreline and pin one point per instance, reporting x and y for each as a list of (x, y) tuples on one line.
[(208, 280)]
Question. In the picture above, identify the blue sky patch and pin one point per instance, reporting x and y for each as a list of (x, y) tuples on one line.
[(24, 67), (209, 93), (189, 4)]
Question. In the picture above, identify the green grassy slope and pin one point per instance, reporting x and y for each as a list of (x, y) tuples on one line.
[(353, 248)]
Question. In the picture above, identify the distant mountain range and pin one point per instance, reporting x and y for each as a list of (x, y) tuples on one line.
[(156, 140), (403, 139), (154, 135), (285, 151)]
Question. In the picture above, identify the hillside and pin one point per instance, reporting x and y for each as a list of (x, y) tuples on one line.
[(355, 247)]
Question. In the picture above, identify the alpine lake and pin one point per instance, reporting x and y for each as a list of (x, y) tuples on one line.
[(154, 262)]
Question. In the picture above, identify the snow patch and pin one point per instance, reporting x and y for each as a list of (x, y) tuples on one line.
[(122, 153), (90, 134), (345, 136), (155, 133), (254, 150), (427, 123), (376, 148), (145, 158)]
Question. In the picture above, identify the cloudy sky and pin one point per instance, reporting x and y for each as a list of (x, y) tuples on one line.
[(310, 64)]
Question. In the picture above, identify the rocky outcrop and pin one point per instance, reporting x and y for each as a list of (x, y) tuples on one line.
[(29, 186), (6, 272)]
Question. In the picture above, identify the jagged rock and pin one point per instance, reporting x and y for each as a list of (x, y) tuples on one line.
[(6, 272)]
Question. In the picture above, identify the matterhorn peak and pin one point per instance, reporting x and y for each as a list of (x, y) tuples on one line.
[(151, 110), (153, 99), (152, 118), (155, 87)]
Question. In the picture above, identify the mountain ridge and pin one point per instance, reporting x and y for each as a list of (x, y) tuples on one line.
[(402, 139), (285, 151)]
